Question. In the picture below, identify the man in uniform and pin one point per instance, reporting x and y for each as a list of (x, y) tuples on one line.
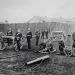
[(18, 38), (46, 32), (37, 35), (61, 47), (29, 36), (73, 38), (50, 46), (9, 33), (73, 46), (1, 40), (42, 36)]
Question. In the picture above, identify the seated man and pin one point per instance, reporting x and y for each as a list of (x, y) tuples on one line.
[(68, 51), (48, 49), (42, 45)]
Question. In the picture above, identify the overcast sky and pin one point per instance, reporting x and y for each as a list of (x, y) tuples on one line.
[(23, 10)]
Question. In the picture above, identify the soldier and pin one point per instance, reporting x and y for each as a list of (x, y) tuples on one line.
[(42, 45), (29, 36), (73, 46), (9, 33), (42, 36), (18, 38), (61, 47), (1, 40), (50, 46), (73, 38), (46, 32), (37, 35)]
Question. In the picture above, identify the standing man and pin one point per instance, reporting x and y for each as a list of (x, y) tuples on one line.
[(37, 35), (9, 33), (1, 40), (46, 32), (61, 47), (29, 37), (18, 38), (73, 38), (73, 46), (42, 36)]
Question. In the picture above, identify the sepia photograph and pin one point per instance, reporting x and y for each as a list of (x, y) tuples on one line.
[(37, 37)]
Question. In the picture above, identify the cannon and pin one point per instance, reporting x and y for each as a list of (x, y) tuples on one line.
[(3, 41)]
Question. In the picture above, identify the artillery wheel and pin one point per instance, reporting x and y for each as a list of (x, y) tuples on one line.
[(2, 47)]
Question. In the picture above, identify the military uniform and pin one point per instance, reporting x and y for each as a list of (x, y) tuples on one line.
[(61, 47), (1, 40), (46, 32), (9, 33), (37, 34), (42, 34), (18, 37), (29, 36), (73, 46), (50, 46)]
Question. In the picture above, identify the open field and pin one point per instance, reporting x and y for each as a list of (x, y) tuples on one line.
[(13, 63)]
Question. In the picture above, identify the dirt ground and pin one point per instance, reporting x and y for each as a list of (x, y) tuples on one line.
[(14, 63)]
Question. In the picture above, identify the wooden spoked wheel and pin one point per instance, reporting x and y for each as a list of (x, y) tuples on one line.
[(2, 46)]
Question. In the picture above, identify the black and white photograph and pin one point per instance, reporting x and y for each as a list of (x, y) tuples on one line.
[(37, 37)]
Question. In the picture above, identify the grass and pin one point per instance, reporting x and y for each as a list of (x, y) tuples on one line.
[(55, 65)]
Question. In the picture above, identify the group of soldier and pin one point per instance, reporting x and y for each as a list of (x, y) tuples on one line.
[(18, 37), (70, 44), (44, 34)]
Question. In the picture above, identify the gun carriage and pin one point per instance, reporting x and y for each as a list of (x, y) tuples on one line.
[(4, 42)]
